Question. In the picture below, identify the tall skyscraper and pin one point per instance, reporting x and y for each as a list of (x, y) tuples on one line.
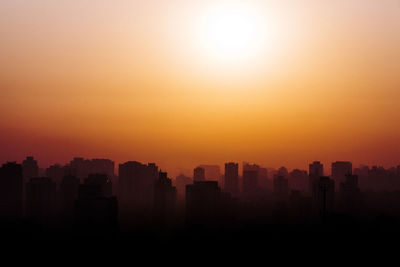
[(231, 183), (199, 174)]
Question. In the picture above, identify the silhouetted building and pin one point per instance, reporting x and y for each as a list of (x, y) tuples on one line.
[(212, 173), (96, 211), (136, 186), (231, 183), (350, 194), (30, 168), (339, 171), (301, 207), (205, 204), (250, 180), (282, 171), (199, 174), (281, 188), (364, 180), (180, 183), (315, 170), (78, 167), (41, 200), (323, 193), (11, 191), (56, 172), (68, 194), (102, 166), (81, 167), (298, 180), (164, 198), (263, 180), (101, 180)]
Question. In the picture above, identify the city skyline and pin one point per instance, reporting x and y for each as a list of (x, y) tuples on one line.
[(89, 199), (327, 166), (209, 126)]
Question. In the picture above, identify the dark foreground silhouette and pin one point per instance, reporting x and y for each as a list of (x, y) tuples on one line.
[(85, 204)]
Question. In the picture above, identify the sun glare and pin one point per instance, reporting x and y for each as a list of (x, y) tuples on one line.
[(231, 33)]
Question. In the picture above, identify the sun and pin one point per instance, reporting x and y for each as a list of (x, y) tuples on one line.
[(230, 32)]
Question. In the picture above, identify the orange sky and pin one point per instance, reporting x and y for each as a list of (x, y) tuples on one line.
[(126, 80)]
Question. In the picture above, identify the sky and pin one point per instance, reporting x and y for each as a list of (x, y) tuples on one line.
[(146, 81)]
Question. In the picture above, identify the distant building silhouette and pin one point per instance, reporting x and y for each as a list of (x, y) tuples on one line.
[(231, 183), (281, 188), (68, 194), (101, 180), (164, 199), (301, 207), (81, 167), (11, 186), (323, 193), (263, 179), (180, 182), (96, 210), (340, 169), (30, 168), (136, 187), (199, 174), (250, 180), (282, 171), (206, 204), (212, 173), (41, 200), (56, 172), (315, 171), (298, 180), (350, 194)]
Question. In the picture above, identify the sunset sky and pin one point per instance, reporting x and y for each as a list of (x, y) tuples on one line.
[(183, 83)]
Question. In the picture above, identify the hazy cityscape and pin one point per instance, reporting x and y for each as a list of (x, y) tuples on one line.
[(182, 129), (87, 197)]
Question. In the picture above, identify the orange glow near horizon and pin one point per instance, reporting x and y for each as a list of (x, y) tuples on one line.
[(183, 83)]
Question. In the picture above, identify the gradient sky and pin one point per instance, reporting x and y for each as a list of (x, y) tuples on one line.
[(128, 80)]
